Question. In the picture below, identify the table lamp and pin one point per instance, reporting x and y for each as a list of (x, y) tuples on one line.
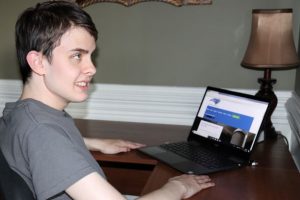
[(271, 47)]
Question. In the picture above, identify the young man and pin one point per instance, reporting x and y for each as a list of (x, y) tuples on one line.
[(55, 41)]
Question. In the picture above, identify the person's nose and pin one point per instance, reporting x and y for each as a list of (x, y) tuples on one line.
[(90, 68)]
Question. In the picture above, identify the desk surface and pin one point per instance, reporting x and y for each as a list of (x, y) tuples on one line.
[(275, 177)]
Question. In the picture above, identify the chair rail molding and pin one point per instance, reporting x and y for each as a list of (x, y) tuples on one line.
[(146, 104)]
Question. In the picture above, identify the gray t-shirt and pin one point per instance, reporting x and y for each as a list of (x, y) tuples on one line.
[(44, 146)]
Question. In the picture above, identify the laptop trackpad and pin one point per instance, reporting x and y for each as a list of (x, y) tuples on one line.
[(162, 154), (175, 160), (181, 163)]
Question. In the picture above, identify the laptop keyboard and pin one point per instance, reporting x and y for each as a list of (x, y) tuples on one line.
[(197, 154)]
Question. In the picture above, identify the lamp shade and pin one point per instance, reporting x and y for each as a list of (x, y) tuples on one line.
[(271, 43)]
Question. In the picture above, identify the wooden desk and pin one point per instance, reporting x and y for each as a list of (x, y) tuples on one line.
[(275, 177)]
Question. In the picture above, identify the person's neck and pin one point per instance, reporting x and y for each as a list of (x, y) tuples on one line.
[(39, 93)]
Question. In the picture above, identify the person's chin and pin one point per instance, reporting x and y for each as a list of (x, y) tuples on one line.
[(80, 99)]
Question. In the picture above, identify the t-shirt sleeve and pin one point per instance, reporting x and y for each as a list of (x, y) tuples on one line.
[(54, 161)]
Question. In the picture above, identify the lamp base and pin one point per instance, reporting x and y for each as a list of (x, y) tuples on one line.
[(266, 91), (270, 132)]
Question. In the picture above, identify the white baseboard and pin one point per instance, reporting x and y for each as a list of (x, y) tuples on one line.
[(146, 104)]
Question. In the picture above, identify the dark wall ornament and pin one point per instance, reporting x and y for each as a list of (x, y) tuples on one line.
[(127, 3)]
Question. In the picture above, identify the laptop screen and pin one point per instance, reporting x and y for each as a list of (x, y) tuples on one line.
[(230, 117)]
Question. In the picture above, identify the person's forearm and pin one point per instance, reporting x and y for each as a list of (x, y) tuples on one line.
[(89, 143), (171, 191)]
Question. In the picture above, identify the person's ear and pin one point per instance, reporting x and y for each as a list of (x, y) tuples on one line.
[(34, 59)]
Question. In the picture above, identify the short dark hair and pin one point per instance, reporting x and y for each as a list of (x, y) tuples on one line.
[(40, 28)]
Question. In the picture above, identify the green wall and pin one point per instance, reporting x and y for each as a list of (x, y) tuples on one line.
[(159, 44)]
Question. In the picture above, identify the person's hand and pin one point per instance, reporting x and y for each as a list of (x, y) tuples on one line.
[(111, 146), (189, 184)]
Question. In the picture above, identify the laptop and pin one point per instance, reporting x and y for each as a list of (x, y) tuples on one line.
[(222, 136)]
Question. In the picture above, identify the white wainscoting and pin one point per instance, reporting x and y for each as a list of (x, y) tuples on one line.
[(293, 109), (147, 104)]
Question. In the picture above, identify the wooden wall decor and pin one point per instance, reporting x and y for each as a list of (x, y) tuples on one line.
[(127, 3)]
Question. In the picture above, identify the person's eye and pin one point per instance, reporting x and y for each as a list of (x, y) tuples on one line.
[(77, 56)]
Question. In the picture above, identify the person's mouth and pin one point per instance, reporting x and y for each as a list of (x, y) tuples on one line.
[(82, 84)]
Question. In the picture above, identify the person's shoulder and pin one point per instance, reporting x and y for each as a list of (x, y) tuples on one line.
[(15, 115), (42, 113), (29, 115)]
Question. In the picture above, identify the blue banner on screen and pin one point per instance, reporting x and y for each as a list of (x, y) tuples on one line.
[(235, 120)]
